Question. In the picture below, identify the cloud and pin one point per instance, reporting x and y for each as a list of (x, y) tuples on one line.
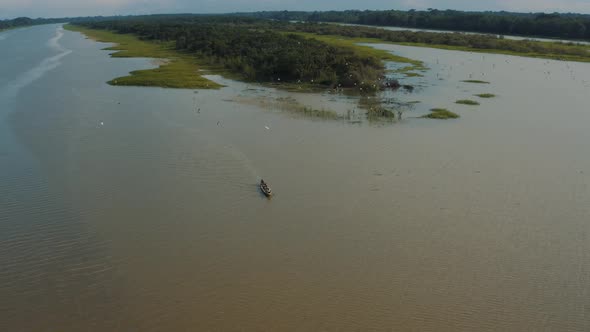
[(61, 8), (579, 6)]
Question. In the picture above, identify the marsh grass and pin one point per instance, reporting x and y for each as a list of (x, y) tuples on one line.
[(290, 105), (485, 95), (475, 81), (556, 54), (375, 108), (441, 114), (180, 70), (467, 102), (366, 51)]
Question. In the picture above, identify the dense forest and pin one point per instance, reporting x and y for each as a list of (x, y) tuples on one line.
[(554, 25), (567, 26), (255, 50), (17, 22), (26, 21)]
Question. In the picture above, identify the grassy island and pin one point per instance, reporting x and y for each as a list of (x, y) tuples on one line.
[(244, 49), (475, 81), (441, 114), (485, 95), (467, 102)]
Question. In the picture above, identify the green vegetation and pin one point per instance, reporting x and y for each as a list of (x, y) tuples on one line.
[(441, 114), (318, 113), (554, 25), (451, 41), (475, 82), (290, 105), (256, 52), (375, 108), (368, 51), (26, 21), (292, 55), (17, 22), (574, 26), (485, 95), (178, 70), (413, 75), (467, 102)]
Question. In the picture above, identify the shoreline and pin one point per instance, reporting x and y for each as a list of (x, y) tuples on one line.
[(176, 69)]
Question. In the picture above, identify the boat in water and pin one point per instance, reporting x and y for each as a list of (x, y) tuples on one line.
[(265, 188)]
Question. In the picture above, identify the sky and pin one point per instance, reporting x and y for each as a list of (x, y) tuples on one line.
[(63, 8)]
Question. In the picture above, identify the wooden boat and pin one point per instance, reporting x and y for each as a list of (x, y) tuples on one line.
[(265, 188)]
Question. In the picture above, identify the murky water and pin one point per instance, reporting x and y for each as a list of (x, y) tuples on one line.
[(129, 208)]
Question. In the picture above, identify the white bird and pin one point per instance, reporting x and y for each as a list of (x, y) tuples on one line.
[(102, 123), (267, 128)]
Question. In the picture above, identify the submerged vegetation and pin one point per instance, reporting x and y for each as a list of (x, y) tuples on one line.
[(290, 105), (441, 114), (177, 71), (376, 108), (475, 82), (467, 102), (485, 95)]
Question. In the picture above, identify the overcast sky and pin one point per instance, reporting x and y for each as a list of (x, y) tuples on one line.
[(61, 8)]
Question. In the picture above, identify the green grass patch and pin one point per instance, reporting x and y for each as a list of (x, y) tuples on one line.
[(475, 81), (365, 51), (485, 95), (375, 108), (410, 74), (441, 114), (467, 102), (552, 56), (318, 113), (175, 70)]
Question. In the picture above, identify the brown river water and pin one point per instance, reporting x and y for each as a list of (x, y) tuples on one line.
[(137, 209)]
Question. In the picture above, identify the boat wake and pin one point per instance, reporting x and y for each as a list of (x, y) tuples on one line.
[(53, 42), (33, 74)]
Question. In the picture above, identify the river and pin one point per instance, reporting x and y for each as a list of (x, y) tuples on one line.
[(137, 209)]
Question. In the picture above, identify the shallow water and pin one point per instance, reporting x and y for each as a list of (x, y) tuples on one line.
[(128, 208), (470, 33)]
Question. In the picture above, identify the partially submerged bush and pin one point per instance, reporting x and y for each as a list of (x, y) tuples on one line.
[(476, 81), (485, 95), (441, 113), (467, 102)]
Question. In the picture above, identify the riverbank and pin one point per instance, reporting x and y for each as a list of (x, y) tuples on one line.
[(175, 70)]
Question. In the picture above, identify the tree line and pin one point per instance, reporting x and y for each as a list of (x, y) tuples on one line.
[(554, 25)]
